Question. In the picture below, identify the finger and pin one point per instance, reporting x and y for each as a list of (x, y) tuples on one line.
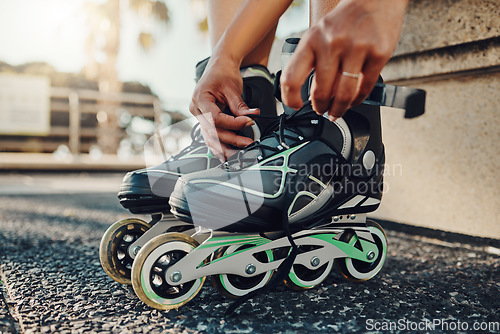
[(200, 101), (236, 104), (232, 123), (230, 152), (220, 149), (215, 146), (344, 95), (209, 132), (230, 138), (346, 89), (371, 72), (218, 139), (205, 117), (251, 111), (323, 83), (295, 74)]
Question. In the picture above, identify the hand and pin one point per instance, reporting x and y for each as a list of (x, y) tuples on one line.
[(357, 37), (221, 86)]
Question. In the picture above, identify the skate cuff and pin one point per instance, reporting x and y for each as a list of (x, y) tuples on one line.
[(256, 71)]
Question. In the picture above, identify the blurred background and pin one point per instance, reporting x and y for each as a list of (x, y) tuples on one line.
[(84, 84), (89, 81)]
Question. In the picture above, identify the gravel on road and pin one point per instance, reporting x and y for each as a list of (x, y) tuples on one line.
[(51, 281)]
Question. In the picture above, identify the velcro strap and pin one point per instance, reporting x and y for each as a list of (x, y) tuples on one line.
[(412, 100)]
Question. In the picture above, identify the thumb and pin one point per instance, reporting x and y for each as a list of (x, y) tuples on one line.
[(237, 106)]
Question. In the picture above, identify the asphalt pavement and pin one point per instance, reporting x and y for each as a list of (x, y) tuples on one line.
[(51, 280)]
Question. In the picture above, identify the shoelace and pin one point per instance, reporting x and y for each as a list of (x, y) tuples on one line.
[(197, 138), (196, 141), (284, 121)]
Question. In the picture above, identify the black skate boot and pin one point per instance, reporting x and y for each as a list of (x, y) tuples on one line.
[(147, 190), (309, 169)]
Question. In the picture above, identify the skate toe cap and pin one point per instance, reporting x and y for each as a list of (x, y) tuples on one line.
[(150, 181)]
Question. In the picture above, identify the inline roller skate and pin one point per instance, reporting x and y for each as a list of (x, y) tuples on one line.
[(146, 191), (289, 206)]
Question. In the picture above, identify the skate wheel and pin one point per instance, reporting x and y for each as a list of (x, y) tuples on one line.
[(234, 286), (114, 248), (356, 270), (150, 266), (303, 278)]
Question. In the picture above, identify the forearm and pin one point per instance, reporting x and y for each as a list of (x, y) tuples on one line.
[(319, 8), (252, 22)]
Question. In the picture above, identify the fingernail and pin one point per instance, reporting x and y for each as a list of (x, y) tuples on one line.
[(253, 109), (250, 123), (332, 118)]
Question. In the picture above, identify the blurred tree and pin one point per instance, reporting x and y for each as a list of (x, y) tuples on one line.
[(103, 41), (102, 48)]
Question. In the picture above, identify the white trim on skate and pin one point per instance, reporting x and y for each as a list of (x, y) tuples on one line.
[(346, 135), (371, 201), (352, 202), (250, 72), (313, 206)]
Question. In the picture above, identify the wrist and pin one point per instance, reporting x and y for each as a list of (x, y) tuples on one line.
[(223, 54)]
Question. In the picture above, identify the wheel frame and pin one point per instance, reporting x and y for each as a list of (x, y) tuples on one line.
[(110, 241), (149, 254), (347, 266)]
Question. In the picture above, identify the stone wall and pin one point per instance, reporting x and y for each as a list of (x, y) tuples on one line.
[(443, 168)]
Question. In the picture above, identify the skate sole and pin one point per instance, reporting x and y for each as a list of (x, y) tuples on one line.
[(142, 201), (182, 210)]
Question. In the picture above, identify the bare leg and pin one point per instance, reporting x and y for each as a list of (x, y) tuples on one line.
[(319, 8), (220, 14)]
